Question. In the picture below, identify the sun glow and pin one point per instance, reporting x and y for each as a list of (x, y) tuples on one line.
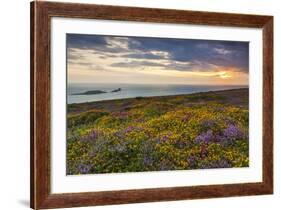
[(224, 75)]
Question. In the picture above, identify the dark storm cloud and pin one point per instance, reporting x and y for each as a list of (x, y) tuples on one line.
[(202, 50)]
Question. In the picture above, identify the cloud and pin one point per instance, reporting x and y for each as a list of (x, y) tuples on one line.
[(192, 66), (222, 51), (168, 65), (103, 44), (134, 64), (84, 41), (165, 53), (213, 52), (106, 56), (143, 56)]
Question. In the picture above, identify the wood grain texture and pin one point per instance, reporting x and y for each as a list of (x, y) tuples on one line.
[(32, 124), (41, 14), (268, 104)]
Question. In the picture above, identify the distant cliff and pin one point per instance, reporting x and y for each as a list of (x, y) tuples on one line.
[(90, 92), (95, 92), (116, 90)]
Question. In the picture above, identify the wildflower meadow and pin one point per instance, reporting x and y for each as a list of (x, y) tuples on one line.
[(182, 132)]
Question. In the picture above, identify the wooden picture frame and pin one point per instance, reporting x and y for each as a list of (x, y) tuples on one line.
[(41, 14)]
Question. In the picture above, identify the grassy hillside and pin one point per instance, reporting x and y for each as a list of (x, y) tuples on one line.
[(195, 131)]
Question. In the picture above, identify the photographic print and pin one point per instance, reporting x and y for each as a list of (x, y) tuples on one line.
[(132, 104), (137, 104)]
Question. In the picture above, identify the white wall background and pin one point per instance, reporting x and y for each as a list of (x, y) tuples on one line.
[(14, 105)]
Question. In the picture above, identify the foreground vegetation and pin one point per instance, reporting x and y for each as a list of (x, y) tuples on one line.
[(195, 131)]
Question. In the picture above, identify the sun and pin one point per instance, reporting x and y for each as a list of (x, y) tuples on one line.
[(224, 75)]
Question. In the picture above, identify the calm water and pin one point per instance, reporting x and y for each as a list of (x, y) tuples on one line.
[(132, 91)]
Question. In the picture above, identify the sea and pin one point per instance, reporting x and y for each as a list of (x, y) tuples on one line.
[(136, 90)]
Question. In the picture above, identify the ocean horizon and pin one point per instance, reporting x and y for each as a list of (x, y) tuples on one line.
[(136, 90)]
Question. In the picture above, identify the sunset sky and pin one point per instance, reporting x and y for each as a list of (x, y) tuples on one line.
[(141, 60)]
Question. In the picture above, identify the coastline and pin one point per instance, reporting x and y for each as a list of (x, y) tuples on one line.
[(148, 97), (238, 96)]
